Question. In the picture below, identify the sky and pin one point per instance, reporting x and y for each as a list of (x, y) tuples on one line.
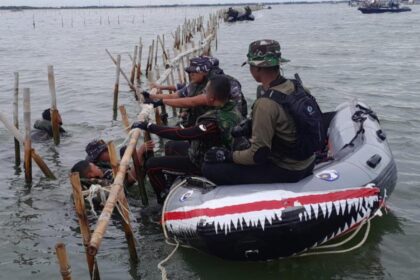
[(54, 3)]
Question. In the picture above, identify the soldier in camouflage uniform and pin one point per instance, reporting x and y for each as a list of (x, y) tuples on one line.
[(211, 129), (273, 155), (190, 96)]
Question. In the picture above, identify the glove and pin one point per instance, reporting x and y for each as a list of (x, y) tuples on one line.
[(154, 103), (142, 125), (145, 94), (218, 155)]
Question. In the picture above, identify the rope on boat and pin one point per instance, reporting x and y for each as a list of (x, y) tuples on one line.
[(358, 245), (160, 265)]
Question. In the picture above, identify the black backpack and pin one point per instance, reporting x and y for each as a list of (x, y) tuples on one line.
[(307, 116)]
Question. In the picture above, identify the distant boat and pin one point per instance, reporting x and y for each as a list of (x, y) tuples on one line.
[(379, 7), (380, 10)]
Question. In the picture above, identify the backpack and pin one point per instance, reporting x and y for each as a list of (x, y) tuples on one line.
[(307, 115)]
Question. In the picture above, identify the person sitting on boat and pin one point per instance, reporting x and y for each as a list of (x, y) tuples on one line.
[(185, 100), (97, 152), (44, 127), (211, 129), (285, 130), (232, 14), (198, 71)]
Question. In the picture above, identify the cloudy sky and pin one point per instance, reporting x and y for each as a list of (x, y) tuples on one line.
[(109, 2)]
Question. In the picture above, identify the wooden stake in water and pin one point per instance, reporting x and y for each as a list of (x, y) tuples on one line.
[(79, 204), (38, 160), (16, 117), (54, 112), (27, 121), (116, 87), (137, 164), (133, 66), (63, 261), (139, 58)]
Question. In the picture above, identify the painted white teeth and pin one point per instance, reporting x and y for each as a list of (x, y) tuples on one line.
[(343, 206), (329, 208), (315, 209), (308, 210), (323, 207), (346, 227), (338, 232), (337, 207)]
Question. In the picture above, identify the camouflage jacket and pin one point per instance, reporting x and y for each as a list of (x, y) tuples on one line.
[(226, 118)]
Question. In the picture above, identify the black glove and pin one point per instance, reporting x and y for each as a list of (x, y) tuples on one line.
[(145, 94), (154, 103), (218, 155), (142, 125)]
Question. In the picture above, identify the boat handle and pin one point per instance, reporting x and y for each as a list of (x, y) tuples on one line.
[(374, 160), (381, 135)]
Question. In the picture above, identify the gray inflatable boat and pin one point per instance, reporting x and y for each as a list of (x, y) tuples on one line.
[(268, 221)]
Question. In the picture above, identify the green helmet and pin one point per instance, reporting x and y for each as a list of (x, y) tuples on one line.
[(264, 53)]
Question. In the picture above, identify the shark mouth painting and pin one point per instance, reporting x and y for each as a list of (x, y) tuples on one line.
[(270, 224)]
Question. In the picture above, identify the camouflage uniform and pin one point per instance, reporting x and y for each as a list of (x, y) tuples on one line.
[(262, 162), (226, 117)]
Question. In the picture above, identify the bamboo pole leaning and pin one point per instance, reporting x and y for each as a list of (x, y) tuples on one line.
[(15, 132), (16, 117), (28, 142), (53, 109), (116, 189), (138, 165), (122, 201), (116, 87), (63, 261), (79, 204)]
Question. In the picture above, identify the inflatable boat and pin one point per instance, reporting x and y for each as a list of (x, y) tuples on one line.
[(270, 221)]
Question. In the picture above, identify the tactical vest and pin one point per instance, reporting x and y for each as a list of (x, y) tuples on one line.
[(307, 115), (226, 119)]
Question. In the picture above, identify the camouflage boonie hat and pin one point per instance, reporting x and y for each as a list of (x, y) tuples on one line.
[(264, 53), (200, 64)]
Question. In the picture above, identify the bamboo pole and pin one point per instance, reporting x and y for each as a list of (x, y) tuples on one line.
[(124, 118), (116, 87), (156, 51), (54, 112), (133, 65), (63, 261), (38, 160), (139, 58), (16, 117), (137, 164), (137, 94), (116, 189), (27, 121), (79, 204), (113, 159), (122, 200), (122, 72)]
